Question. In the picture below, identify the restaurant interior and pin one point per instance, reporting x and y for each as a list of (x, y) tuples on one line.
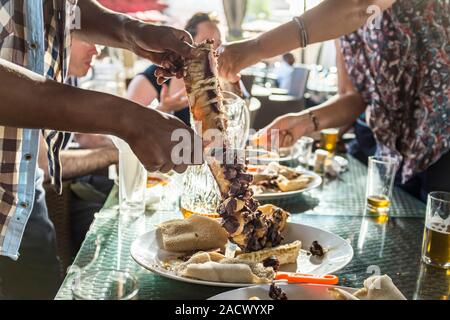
[(287, 157)]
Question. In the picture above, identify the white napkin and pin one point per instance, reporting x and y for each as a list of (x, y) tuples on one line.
[(375, 288)]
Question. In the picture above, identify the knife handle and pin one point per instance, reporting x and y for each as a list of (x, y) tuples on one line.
[(307, 278)]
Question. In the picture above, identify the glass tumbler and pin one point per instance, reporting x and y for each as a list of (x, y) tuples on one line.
[(436, 239)]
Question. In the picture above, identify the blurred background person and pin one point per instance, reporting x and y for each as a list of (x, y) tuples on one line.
[(144, 88), (283, 70)]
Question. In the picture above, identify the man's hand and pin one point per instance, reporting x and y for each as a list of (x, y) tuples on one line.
[(288, 128), (172, 103), (236, 56), (149, 134), (163, 45)]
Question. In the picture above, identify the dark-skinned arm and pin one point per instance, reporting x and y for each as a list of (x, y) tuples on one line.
[(102, 26), (31, 101)]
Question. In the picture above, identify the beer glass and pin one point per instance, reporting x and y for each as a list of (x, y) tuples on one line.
[(436, 239), (329, 139), (380, 180)]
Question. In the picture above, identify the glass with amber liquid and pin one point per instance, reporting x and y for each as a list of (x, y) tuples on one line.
[(329, 139), (201, 194), (380, 180), (436, 239)]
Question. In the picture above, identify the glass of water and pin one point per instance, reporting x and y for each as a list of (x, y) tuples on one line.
[(105, 285), (304, 148), (132, 180)]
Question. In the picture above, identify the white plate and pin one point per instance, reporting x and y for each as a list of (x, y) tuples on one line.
[(260, 156), (317, 181), (293, 292), (145, 252)]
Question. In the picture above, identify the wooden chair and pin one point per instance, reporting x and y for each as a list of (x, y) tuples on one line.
[(59, 213)]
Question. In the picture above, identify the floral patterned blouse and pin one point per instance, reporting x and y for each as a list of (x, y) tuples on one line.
[(402, 71)]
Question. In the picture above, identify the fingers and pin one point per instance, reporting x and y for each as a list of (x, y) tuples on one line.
[(181, 43), (164, 92), (181, 93), (180, 168), (183, 35), (162, 75), (166, 168), (286, 139)]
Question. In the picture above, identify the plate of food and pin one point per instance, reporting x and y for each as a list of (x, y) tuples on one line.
[(292, 291), (197, 250), (274, 181), (283, 155)]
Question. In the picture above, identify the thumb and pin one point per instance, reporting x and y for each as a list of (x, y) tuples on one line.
[(181, 93), (164, 91)]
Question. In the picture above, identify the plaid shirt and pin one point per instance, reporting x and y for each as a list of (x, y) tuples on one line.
[(33, 34)]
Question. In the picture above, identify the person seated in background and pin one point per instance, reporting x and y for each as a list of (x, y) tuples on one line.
[(283, 70), (144, 88), (96, 152)]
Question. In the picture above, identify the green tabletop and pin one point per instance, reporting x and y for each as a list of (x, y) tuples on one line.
[(382, 246)]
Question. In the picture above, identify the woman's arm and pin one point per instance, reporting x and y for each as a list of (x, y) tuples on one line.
[(141, 91), (328, 20), (339, 111)]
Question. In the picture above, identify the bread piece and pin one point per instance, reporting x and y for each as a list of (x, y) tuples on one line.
[(192, 234), (198, 258), (229, 271), (285, 254), (288, 172), (286, 185)]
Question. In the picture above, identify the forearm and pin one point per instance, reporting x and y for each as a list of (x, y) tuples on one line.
[(31, 101), (102, 26), (338, 111), (92, 141), (328, 20), (77, 163)]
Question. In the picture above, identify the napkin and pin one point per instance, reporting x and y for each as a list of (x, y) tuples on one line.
[(375, 288)]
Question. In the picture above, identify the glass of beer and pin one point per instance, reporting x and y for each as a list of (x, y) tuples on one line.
[(380, 180), (436, 239), (201, 194), (329, 139)]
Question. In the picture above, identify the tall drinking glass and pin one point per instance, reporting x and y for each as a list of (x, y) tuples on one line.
[(132, 180), (304, 150), (380, 180), (436, 239)]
